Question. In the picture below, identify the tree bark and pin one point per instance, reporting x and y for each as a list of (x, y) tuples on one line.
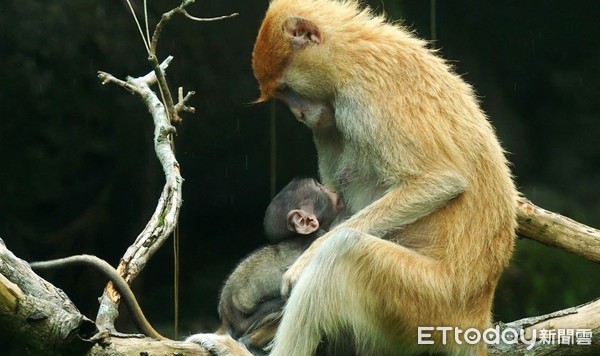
[(557, 231), (38, 315), (571, 322)]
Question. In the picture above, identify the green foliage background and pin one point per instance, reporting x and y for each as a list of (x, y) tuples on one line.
[(79, 173)]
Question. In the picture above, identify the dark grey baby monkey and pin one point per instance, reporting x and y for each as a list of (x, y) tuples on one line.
[(250, 305)]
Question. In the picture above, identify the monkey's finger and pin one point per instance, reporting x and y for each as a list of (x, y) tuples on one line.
[(286, 289), (288, 281)]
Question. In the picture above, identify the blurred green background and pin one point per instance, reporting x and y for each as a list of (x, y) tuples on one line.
[(80, 175)]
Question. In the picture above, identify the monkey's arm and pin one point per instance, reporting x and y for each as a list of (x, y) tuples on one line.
[(410, 201), (109, 272)]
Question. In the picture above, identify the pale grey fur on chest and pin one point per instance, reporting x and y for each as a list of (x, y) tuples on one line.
[(352, 178)]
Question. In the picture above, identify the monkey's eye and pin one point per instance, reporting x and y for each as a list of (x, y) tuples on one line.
[(284, 93)]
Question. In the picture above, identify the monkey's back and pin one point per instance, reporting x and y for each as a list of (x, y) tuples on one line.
[(421, 118)]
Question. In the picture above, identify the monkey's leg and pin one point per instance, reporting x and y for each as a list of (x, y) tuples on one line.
[(260, 334), (372, 289)]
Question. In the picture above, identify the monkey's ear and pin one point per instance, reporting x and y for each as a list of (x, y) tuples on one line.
[(302, 222), (302, 32)]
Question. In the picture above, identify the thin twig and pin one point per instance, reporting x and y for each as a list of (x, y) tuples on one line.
[(149, 79), (163, 87), (183, 100), (206, 19), (107, 78), (166, 17), (146, 21), (138, 25), (172, 112)]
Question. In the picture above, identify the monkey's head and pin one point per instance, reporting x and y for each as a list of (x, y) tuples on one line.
[(301, 208), (294, 61)]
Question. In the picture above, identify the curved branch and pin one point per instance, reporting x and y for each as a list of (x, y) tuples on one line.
[(206, 19)]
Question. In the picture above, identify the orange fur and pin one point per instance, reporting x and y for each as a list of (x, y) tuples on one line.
[(417, 163)]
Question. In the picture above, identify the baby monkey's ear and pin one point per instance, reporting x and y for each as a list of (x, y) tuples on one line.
[(302, 222)]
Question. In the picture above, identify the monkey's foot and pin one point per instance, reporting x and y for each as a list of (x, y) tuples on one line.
[(219, 345)]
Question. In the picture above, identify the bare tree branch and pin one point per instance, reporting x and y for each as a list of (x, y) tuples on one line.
[(584, 317), (206, 19), (558, 231), (182, 100), (165, 216), (37, 314)]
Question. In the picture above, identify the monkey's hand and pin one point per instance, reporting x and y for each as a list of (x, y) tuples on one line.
[(291, 276)]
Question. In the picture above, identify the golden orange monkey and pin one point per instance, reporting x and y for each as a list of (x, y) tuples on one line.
[(429, 196)]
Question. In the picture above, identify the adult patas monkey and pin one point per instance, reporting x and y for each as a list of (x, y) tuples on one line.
[(430, 199)]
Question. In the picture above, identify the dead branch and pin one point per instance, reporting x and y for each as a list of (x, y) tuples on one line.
[(558, 231), (165, 216), (146, 346), (43, 319), (37, 314), (558, 333), (171, 108), (207, 19)]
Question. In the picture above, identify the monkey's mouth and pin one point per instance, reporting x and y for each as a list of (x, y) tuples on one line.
[(297, 110), (333, 196), (299, 114), (297, 104), (338, 203)]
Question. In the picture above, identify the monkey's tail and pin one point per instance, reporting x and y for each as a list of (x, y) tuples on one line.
[(111, 273)]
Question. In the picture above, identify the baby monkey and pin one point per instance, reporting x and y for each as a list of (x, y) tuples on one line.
[(251, 304)]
